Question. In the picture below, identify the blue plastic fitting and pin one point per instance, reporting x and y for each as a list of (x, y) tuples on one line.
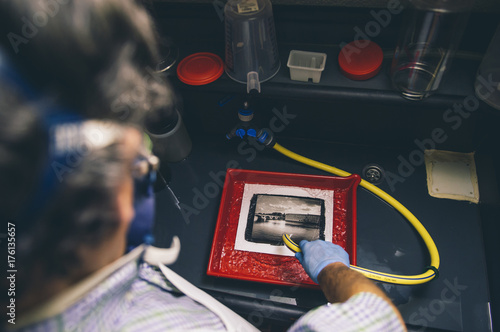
[(240, 133), (245, 112), (262, 138)]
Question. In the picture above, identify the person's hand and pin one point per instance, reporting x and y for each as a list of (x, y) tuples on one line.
[(316, 255)]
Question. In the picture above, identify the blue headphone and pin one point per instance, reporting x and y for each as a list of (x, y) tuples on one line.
[(66, 130)]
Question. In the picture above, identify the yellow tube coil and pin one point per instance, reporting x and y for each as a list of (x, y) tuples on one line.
[(432, 270)]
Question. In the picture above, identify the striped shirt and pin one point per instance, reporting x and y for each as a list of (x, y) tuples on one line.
[(137, 297)]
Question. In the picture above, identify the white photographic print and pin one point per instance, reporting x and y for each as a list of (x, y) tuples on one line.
[(269, 211)]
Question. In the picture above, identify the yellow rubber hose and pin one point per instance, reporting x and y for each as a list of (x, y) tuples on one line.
[(431, 271)]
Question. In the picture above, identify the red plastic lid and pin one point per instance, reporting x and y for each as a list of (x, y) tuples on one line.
[(200, 68), (360, 59)]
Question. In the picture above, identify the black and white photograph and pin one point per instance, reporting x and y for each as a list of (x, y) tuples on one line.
[(272, 215), (269, 211)]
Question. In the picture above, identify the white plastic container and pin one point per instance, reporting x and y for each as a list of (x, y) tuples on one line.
[(306, 65)]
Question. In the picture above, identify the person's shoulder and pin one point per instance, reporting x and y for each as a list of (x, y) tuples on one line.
[(362, 312), (153, 275), (153, 300)]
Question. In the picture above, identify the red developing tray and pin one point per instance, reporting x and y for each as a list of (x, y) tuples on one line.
[(226, 261)]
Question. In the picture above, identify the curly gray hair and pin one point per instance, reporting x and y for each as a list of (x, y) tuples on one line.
[(90, 56)]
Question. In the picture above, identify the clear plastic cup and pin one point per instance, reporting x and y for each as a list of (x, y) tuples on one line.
[(428, 42), (250, 40)]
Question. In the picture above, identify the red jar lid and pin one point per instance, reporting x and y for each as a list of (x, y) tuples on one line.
[(200, 68), (360, 60)]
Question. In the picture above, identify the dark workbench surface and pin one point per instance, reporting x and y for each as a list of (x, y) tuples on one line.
[(457, 301), (348, 124)]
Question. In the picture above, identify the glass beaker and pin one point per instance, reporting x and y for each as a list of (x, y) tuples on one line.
[(250, 40), (429, 39)]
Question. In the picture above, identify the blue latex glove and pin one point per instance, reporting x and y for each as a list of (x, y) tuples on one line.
[(316, 255)]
